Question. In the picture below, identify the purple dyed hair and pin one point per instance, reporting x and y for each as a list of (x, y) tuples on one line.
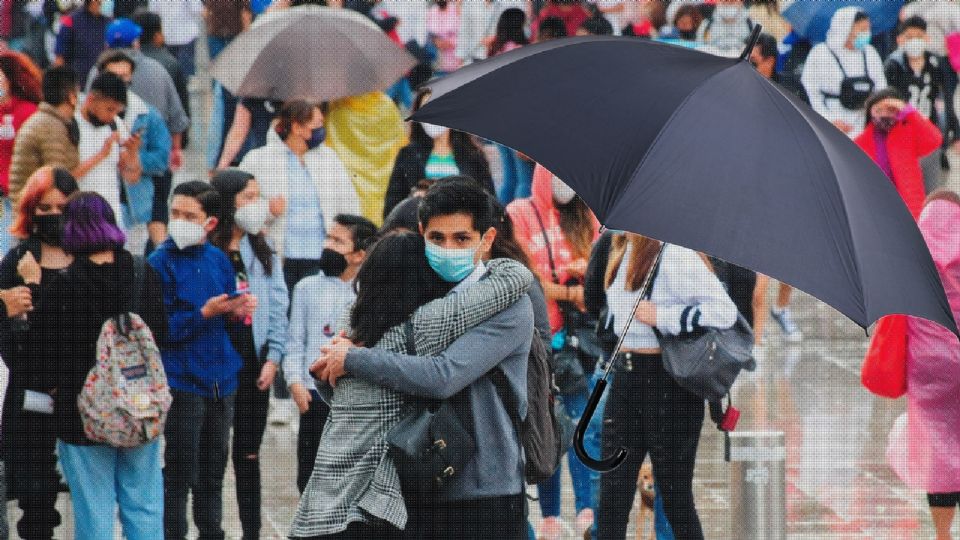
[(89, 225)]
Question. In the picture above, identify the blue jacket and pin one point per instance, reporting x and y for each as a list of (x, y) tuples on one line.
[(197, 353), (270, 318), (155, 157)]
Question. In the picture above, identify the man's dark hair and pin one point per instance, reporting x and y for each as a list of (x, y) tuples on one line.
[(552, 28), (57, 85), (363, 230), (860, 16), (110, 86), (113, 56), (149, 22), (767, 46), (204, 193), (597, 26), (458, 195), (912, 22)]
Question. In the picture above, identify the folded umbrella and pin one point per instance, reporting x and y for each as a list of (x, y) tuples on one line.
[(811, 18), (313, 53), (704, 152)]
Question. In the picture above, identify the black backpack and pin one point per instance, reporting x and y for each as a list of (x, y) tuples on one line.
[(547, 431)]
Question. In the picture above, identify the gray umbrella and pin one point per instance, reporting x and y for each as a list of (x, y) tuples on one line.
[(311, 52)]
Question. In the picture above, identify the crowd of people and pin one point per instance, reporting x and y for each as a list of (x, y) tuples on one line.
[(358, 268)]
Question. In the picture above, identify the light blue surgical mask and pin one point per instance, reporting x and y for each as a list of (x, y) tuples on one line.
[(453, 265), (861, 41)]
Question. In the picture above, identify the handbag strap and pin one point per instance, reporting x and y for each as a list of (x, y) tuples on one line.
[(546, 241)]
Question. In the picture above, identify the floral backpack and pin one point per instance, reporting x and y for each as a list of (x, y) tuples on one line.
[(125, 398)]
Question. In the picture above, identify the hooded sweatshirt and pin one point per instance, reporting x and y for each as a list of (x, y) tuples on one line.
[(822, 74), (529, 234), (726, 35)]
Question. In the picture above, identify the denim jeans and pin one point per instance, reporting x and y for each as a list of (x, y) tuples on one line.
[(5, 220), (517, 175), (186, 56), (102, 478), (549, 490), (198, 439)]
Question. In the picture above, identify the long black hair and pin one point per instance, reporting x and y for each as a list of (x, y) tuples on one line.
[(465, 147), (505, 245), (228, 183), (509, 28), (393, 282)]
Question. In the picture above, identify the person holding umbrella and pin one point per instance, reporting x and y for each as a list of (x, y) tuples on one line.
[(841, 73)]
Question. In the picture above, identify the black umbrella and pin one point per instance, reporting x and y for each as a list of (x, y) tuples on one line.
[(704, 152)]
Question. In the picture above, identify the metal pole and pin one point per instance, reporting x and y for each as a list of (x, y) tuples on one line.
[(758, 498)]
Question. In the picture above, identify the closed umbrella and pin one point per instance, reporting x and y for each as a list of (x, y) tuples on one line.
[(311, 52), (703, 151)]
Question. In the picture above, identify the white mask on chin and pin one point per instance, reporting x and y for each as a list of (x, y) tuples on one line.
[(562, 193), (434, 131)]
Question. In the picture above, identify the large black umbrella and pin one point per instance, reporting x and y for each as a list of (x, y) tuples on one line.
[(704, 152)]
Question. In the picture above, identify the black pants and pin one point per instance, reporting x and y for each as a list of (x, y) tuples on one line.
[(648, 412), (308, 438), (363, 531), (943, 500), (32, 474), (249, 423), (293, 271), (198, 437), (501, 518)]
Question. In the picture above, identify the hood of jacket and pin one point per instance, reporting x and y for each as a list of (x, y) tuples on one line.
[(840, 26)]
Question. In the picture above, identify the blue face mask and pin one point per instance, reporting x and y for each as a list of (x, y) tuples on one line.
[(453, 265), (106, 8), (317, 136), (861, 41)]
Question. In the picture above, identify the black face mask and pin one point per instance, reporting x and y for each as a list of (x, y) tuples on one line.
[(49, 228), (332, 263), (688, 35)]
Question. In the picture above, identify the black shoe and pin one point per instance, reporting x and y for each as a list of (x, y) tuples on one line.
[(944, 162)]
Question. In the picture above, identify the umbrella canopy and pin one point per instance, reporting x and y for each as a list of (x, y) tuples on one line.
[(311, 52), (811, 18), (704, 152)]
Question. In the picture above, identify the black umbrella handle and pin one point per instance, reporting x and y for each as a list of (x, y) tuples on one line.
[(601, 465), (751, 42)]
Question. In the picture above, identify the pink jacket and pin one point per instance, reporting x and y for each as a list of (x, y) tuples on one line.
[(925, 450), (529, 234)]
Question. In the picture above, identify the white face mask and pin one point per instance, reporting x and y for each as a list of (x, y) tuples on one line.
[(185, 233), (434, 131), (562, 193), (915, 47), (252, 217), (727, 11)]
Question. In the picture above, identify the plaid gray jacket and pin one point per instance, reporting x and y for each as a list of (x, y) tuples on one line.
[(353, 478)]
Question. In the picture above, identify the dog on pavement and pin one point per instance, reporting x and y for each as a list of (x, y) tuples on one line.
[(645, 485)]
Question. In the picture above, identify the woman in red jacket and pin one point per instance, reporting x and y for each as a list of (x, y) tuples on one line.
[(19, 96), (897, 137)]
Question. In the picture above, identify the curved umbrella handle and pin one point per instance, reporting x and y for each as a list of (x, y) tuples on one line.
[(601, 465)]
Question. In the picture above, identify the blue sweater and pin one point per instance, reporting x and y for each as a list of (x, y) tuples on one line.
[(197, 354)]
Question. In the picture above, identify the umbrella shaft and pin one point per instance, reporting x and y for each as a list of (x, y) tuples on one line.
[(626, 327)]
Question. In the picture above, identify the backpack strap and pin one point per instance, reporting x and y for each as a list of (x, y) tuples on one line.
[(132, 303)]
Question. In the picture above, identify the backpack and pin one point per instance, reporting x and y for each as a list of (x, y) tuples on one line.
[(125, 398), (547, 431)]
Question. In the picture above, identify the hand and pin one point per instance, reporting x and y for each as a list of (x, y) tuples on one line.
[(955, 146), (176, 159), (246, 306), (330, 366), (843, 126), (887, 106), (577, 268), (104, 152), (278, 205), (18, 301), (646, 313), (133, 142), (220, 305), (301, 396), (267, 373), (29, 269)]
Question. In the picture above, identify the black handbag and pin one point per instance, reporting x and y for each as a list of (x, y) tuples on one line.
[(434, 440), (706, 362)]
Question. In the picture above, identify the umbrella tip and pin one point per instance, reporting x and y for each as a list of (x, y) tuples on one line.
[(751, 42)]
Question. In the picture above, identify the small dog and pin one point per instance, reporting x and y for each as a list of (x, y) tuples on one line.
[(645, 485)]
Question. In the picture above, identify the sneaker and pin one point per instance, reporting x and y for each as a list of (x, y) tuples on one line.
[(790, 329), (584, 523), (550, 529)]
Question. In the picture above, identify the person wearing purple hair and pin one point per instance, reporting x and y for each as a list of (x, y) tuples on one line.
[(101, 477)]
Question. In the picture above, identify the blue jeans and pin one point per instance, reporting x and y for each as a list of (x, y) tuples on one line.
[(517, 176), (186, 56), (103, 477), (549, 490), (5, 220)]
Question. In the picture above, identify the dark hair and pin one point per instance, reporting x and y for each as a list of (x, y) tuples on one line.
[(113, 56), (458, 195), (877, 97), (509, 28), (551, 28), (362, 230), (297, 111), (204, 193), (597, 26), (58, 84), (943, 194), (505, 245), (912, 22), (392, 283), (465, 147), (89, 225), (861, 16), (149, 22), (689, 10), (110, 86), (23, 75), (229, 182), (767, 46), (403, 216)]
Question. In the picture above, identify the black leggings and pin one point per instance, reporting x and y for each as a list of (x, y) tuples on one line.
[(648, 412), (943, 500), (249, 423)]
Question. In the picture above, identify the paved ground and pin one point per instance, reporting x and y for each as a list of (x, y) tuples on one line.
[(838, 484)]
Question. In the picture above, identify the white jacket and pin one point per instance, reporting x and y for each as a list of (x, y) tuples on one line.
[(334, 187)]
